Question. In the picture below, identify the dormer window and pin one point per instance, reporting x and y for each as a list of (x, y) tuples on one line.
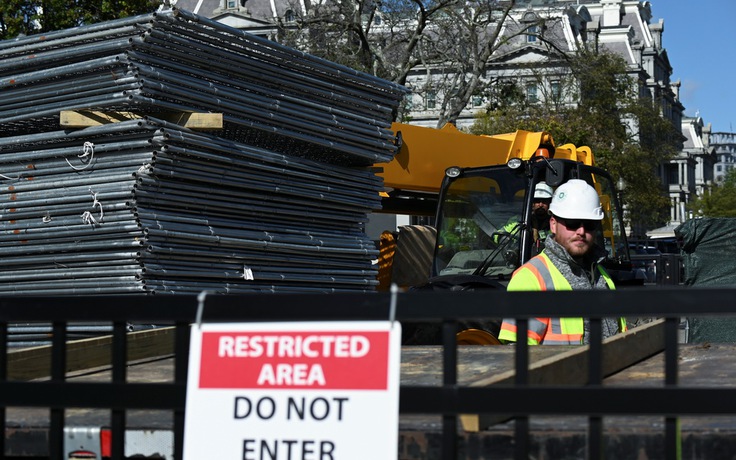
[(529, 17), (289, 16), (232, 4), (532, 24)]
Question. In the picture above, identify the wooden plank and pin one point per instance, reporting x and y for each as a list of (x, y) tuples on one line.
[(87, 118), (571, 367), (34, 363)]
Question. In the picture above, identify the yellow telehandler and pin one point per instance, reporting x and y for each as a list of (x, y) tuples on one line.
[(479, 190)]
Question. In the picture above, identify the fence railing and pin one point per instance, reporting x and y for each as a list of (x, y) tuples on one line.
[(450, 400)]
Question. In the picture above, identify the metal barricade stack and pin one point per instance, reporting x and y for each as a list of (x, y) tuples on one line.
[(276, 201)]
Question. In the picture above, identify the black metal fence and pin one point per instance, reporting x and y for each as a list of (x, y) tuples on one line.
[(449, 399)]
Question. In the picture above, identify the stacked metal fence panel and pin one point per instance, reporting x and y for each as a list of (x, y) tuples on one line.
[(269, 94), (276, 201)]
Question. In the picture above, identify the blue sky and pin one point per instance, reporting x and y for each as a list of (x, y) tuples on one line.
[(699, 40)]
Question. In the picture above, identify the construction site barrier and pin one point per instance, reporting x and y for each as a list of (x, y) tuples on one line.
[(520, 398)]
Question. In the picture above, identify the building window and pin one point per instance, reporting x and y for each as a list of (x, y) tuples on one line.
[(377, 20), (477, 101), (232, 4), (409, 102), (555, 90), (531, 92), (673, 174), (289, 16), (431, 100), (531, 34)]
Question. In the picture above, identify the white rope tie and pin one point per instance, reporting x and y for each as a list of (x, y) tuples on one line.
[(88, 154), (87, 216), (145, 169)]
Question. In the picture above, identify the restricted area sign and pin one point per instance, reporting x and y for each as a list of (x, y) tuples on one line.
[(293, 391)]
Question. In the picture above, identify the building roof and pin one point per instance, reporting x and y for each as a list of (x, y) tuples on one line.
[(203, 7), (692, 130), (260, 10)]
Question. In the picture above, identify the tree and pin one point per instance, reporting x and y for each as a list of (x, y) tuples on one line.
[(466, 38), (16, 17), (720, 201), (30, 17), (448, 41), (601, 107), (384, 38)]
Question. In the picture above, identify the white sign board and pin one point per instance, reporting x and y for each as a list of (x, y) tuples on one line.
[(293, 391)]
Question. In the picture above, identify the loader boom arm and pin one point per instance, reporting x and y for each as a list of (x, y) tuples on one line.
[(425, 154)]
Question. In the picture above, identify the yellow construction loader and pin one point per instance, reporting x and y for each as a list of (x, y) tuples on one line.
[(479, 190)]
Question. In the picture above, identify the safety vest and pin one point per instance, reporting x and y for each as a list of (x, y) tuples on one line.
[(540, 274), (509, 230)]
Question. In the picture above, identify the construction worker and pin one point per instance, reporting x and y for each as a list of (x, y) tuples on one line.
[(570, 261), (539, 219), (540, 214)]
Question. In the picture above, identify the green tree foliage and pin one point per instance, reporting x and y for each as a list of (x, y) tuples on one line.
[(598, 105), (28, 17), (720, 201)]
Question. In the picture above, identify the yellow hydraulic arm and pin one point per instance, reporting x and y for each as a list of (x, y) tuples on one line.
[(426, 153)]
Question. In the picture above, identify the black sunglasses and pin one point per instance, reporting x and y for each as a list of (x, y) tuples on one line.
[(574, 224)]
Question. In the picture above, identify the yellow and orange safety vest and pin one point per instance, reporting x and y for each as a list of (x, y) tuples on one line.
[(540, 274)]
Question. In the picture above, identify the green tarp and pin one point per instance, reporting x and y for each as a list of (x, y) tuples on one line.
[(709, 257)]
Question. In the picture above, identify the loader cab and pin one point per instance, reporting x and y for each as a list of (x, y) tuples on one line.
[(485, 225)]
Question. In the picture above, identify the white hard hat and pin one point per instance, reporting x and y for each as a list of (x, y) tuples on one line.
[(575, 199), (542, 191)]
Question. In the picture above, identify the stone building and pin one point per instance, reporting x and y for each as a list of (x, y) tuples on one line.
[(724, 145), (692, 171)]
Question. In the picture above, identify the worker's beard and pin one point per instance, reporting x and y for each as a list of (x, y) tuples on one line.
[(576, 245), (541, 216), (540, 213)]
